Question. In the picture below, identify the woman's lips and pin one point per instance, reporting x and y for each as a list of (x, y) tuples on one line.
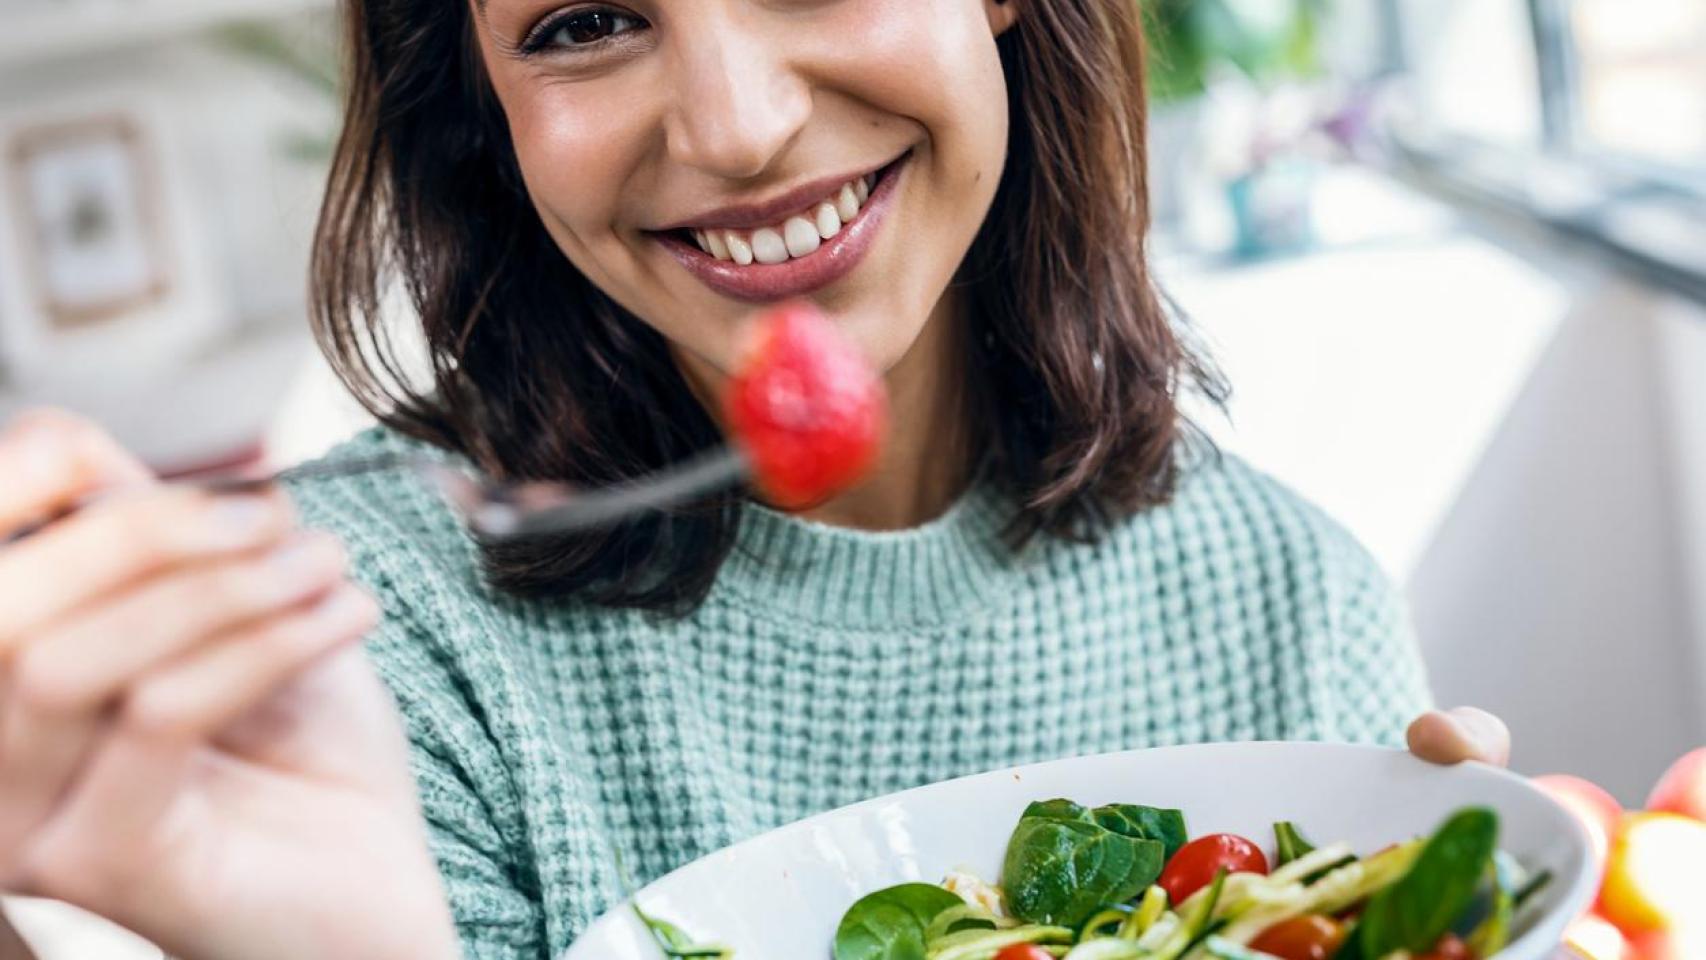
[(833, 259)]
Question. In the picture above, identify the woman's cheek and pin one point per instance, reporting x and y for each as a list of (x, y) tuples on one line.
[(925, 60), (577, 148), (937, 72)]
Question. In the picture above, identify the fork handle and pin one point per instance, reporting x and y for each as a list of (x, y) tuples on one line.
[(317, 469), (228, 485)]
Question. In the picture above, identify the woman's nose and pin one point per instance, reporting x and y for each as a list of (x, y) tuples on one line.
[(738, 104)]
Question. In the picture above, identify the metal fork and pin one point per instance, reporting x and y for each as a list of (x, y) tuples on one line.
[(498, 510)]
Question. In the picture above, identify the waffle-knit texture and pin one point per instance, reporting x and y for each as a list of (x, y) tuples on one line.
[(553, 740)]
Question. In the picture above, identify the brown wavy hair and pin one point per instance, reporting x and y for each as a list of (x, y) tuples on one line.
[(1074, 391)]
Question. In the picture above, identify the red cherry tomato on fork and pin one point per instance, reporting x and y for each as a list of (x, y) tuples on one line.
[(807, 408), (1196, 863), (1024, 951)]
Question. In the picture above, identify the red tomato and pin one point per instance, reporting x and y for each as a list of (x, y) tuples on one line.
[(1309, 937), (1024, 951), (1449, 948), (1196, 863), (806, 407), (1683, 787)]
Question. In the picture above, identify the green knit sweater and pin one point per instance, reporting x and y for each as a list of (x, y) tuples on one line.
[(552, 741)]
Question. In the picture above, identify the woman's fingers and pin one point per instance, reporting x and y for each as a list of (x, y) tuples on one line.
[(127, 803), (136, 578), (121, 539), (75, 665), (1464, 733), (50, 459), (60, 681), (233, 675), (61, 678)]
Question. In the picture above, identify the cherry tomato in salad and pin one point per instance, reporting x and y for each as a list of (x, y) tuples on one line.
[(1196, 863), (1449, 948), (1024, 951), (1309, 937)]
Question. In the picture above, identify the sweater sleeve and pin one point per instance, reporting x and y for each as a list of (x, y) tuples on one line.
[(1374, 676), (466, 792), (496, 915)]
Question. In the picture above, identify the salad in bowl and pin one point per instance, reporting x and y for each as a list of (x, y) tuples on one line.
[(1294, 851), (1122, 882)]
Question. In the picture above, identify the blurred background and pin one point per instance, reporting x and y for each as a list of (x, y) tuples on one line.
[(1451, 253)]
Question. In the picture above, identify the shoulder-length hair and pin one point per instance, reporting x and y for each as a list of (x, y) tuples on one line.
[(1075, 387)]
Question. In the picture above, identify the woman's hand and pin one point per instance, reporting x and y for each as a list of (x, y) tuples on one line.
[(1465, 733), (190, 745)]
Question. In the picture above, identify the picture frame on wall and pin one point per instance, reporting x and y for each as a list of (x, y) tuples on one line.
[(88, 205), (105, 282)]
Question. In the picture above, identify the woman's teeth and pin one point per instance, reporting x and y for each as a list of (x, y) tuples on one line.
[(795, 237)]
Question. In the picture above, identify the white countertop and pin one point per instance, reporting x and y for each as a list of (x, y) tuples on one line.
[(1370, 375)]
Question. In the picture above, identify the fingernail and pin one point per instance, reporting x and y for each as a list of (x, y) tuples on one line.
[(1476, 733), (42, 454), (242, 517), (298, 559), (345, 609)]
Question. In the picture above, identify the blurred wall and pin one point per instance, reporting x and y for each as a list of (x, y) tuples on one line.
[(1682, 351), (228, 122), (224, 128), (1564, 589), (1517, 432)]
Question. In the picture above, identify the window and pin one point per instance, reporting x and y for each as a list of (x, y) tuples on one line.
[(1472, 64), (1641, 80), (1586, 115)]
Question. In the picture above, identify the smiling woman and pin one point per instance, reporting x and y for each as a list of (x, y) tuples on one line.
[(956, 183)]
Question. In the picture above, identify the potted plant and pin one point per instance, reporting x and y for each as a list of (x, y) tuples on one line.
[(1195, 45)]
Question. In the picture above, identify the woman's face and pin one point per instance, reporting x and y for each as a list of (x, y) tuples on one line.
[(695, 158)]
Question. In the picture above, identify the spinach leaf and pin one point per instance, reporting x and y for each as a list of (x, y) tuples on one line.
[(1413, 913), (1290, 843), (1057, 810), (890, 923), (1126, 819), (1060, 871), (1144, 823)]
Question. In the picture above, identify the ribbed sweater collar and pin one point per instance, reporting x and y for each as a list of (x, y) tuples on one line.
[(857, 579)]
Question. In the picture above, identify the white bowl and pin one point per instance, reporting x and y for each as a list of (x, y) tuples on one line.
[(779, 896)]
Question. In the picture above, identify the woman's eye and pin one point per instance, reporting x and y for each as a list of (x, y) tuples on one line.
[(586, 27)]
